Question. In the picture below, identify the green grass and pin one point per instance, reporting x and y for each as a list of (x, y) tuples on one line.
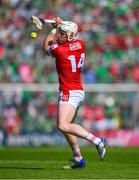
[(47, 162)]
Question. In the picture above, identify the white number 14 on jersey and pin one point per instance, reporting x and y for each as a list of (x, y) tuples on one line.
[(74, 66)]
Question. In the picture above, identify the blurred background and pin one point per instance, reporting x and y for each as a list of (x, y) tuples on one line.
[(28, 79)]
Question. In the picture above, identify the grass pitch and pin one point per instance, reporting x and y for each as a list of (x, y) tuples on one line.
[(47, 162)]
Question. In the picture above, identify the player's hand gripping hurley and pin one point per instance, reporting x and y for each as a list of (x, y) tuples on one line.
[(40, 21)]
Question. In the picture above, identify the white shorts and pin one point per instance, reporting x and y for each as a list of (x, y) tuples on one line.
[(73, 97)]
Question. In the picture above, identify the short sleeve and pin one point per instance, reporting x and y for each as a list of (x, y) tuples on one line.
[(52, 49)]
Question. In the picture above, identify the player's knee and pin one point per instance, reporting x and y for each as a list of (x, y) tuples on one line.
[(62, 127)]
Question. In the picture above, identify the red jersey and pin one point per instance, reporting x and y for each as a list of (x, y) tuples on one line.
[(70, 58)]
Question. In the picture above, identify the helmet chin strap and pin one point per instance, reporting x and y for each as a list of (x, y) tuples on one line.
[(71, 37)]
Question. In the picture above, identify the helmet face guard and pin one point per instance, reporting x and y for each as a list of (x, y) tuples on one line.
[(70, 28)]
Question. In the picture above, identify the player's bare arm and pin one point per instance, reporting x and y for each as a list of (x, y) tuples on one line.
[(49, 41), (52, 36)]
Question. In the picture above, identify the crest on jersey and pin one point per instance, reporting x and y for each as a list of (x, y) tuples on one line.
[(75, 46)]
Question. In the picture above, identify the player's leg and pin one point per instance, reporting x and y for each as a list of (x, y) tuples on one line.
[(66, 113), (77, 160), (72, 141)]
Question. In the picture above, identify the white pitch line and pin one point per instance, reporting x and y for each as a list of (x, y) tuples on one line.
[(27, 161)]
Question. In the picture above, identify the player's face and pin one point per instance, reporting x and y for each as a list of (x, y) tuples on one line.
[(62, 36)]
